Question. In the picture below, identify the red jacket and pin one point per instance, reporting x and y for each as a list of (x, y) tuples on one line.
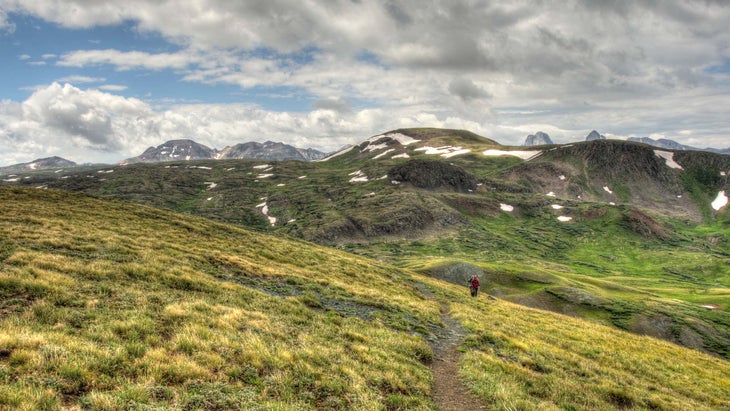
[(475, 282)]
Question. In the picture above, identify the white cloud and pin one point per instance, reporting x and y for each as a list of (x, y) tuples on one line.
[(503, 69), (112, 87), (125, 60), (80, 79), (6, 27)]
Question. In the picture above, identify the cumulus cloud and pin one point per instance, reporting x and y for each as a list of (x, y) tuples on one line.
[(500, 68)]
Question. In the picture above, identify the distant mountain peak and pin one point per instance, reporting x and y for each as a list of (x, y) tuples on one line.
[(38, 164), (537, 139), (185, 149), (595, 135)]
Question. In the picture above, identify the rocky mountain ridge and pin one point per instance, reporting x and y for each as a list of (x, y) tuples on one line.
[(175, 150), (39, 164), (537, 139)]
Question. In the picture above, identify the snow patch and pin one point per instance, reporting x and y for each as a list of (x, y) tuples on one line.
[(523, 154), (371, 147), (262, 166), (265, 211), (557, 206), (339, 153), (551, 194), (564, 219), (280, 185), (562, 177), (209, 198), (33, 166), (264, 175), (358, 177), (105, 171), (231, 169), (211, 185), (383, 153), (444, 151), (720, 201), (434, 150), (401, 138), (11, 180), (302, 177), (723, 173), (457, 151), (404, 155), (668, 157), (608, 190), (506, 207)]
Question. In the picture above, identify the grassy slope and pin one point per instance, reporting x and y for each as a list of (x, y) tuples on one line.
[(113, 306), (599, 268)]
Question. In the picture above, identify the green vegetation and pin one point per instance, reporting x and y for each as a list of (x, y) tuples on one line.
[(108, 305)]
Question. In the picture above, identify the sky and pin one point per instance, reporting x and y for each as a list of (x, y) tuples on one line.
[(101, 81)]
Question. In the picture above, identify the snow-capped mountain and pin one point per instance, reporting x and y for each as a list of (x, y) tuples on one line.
[(270, 151), (176, 150), (537, 139), (39, 164)]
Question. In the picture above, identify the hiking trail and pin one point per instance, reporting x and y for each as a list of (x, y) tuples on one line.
[(447, 390)]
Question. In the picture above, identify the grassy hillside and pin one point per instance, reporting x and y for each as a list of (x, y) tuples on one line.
[(639, 246), (108, 305)]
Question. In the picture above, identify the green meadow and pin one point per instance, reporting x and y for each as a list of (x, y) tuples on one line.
[(112, 306)]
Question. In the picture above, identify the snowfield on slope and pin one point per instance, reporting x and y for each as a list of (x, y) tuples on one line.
[(668, 158), (523, 154), (720, 201)]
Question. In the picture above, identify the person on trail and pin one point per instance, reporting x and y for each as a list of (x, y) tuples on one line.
[(474, 285)]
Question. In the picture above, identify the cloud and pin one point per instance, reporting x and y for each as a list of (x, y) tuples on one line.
[(76, 79), (499, 68), (467, 90), (125, 60), (336, 104), (112, 87), (6, 27)]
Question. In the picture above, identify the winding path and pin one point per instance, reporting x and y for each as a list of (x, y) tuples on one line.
[(447, 390)]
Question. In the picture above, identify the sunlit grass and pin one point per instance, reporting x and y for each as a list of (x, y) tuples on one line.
[(107, 305), (119, 305), (520, 358)]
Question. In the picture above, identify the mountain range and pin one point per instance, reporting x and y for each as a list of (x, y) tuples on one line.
[(190, 150), (594, 236), (541, 138)]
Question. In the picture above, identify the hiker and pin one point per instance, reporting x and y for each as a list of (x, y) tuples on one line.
[(474, 285)]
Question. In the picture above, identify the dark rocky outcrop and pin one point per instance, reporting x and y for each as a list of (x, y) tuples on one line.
[(433, 175)]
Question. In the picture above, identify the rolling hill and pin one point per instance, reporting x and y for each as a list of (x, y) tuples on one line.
[(112, 305), (618, 233)]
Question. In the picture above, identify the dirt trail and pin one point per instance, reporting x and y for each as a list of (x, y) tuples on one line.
[(447, 390)]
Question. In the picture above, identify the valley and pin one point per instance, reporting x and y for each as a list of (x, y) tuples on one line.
[(607, 261)]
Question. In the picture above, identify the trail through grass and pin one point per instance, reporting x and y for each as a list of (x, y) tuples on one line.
[(113, 306)]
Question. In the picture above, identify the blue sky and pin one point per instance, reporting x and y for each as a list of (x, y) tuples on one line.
[(101, 81)]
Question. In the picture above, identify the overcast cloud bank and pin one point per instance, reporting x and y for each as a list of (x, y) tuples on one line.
[(500, 69)]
